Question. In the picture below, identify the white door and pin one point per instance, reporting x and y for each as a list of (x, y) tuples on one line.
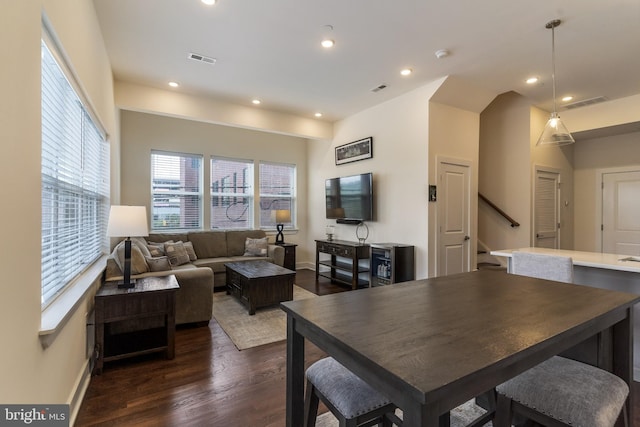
[(453, 218), (546, 209), (621, 213)]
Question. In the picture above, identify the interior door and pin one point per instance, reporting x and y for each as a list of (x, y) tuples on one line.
[(546, 209), (621, 213), (453, 218)]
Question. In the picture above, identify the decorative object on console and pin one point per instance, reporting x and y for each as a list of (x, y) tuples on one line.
[(362, 233), (555, 132), (282, 216), (127, 221), (354, 151), (330, 232)]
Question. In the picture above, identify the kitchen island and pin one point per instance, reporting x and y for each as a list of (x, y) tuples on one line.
[(600, 270)]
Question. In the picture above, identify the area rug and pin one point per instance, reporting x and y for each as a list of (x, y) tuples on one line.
[(266, 326), (460, 416)]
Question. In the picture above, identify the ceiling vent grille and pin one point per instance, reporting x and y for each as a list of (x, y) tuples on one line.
[(586, 102), (202, 58), (378, 88)]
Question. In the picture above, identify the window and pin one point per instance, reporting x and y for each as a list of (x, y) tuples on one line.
[(277, 192), (176, 191), (231, 193), (75, 181)]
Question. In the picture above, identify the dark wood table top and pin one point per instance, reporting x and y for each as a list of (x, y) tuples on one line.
[(257, 269), (451, 338), (146, 284)]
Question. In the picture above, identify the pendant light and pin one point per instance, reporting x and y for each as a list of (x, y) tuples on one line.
[(555, 132)]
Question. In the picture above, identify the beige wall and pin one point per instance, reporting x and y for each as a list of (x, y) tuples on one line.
[(399, 128), (504, 173), (30, 373), (590, 158), (142, 132)]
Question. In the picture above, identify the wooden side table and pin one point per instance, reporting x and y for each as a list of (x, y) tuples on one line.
[(151, 297), (289, 255)]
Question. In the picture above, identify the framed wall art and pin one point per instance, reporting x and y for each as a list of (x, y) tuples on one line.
[(354, 151)]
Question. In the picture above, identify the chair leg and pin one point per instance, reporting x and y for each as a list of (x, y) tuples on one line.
[(503, 413), (310, 406)]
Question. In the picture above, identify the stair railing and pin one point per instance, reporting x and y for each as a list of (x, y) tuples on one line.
[(513, 222)]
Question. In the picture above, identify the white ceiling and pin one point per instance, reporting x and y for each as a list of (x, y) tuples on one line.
[(271, 49)]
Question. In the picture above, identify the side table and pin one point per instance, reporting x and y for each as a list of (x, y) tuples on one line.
[(289, 255), (151, 297)]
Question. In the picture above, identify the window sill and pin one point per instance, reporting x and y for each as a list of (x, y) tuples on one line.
[(56, 314)]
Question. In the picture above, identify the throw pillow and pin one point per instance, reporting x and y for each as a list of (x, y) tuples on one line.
[(158, 263), (256, 247), (156, 251), (141, 243), (188, 246), (177, 253), (138, 263)]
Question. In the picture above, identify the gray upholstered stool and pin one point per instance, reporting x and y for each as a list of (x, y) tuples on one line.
[(561, 392), (352, 401)]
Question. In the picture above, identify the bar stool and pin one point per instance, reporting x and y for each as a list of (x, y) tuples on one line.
[(563, 392), (352, 401)]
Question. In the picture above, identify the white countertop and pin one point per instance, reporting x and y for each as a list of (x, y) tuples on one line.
[(585, 259)]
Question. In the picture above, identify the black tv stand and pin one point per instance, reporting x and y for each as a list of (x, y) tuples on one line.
[(349, 221)]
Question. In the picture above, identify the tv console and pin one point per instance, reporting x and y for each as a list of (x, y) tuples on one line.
[(344, 262)]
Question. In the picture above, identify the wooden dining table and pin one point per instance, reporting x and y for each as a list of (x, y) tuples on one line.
[(431, 345)]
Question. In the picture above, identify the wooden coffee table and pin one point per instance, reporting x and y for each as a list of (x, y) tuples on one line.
[(259, 283)]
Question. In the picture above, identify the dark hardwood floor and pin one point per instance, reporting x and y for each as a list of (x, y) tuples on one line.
[(209, 383)]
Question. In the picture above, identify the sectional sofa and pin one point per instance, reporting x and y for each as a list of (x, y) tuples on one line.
[(201, 271)]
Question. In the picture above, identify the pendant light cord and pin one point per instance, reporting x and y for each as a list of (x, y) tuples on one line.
[(553, 66)]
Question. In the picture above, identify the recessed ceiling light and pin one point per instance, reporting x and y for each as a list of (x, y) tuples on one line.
[(406, 71), (256, 102), (442, 53), (567, 98), (209, 2), (318, 115), (174, 84), (532, 80), (327, 43)]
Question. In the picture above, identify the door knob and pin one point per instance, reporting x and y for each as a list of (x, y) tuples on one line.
[(466, 238)]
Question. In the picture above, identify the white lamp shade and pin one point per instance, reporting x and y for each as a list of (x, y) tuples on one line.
[(283, 215), (127, 221)]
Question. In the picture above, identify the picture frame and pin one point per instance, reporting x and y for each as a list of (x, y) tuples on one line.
[(354, 151)]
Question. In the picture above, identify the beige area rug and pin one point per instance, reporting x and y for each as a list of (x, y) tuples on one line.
[(460, 416), (266, 326)]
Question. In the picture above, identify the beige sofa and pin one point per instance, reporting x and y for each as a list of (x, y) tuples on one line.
[(197, 278)]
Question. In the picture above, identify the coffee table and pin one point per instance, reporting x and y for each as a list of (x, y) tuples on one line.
[(259, 283)]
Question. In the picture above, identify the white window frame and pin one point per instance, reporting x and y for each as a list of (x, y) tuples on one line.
[(70, 264), (180, 193), (219, 195), (269, 205)]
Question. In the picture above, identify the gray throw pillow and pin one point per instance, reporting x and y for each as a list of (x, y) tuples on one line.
[(188, 246), (177, 253), (256, 247), (159, 263)]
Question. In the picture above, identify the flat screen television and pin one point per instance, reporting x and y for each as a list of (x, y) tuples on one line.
[(349, 199)]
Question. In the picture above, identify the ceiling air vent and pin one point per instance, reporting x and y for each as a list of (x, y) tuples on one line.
[(202, 58), (586, 102), (378, 88)]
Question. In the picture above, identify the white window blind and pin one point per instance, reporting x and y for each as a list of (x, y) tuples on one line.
[(176, 191), (231, 193), (75, 182), (277, 192)]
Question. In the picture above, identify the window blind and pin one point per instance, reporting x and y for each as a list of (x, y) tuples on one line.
[(231, 193), (277, 191), (75, 182), (176, 181)]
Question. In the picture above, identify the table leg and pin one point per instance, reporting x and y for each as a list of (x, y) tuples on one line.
[(424, 416), (295, 375), (623, 356)]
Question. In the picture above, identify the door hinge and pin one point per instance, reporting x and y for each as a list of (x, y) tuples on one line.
[(601, 227), (558, 226)]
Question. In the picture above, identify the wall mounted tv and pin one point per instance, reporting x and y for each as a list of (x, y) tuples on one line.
[(349, 199)]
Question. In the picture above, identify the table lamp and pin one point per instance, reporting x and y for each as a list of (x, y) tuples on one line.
[(127, 221), (282, 216)]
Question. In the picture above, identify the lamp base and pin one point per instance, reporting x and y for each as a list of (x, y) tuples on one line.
[(279, 236), (123, 285)]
